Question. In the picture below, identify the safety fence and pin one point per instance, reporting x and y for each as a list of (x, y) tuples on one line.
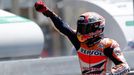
[(47, 66)]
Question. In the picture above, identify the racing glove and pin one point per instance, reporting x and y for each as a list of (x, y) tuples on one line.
[(40, 6), (121, 69)]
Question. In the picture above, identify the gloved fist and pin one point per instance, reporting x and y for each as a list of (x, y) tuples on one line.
[(121, 69), (40, 6)]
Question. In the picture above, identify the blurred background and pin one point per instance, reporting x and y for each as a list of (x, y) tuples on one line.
[(118, 13), (27, 34)]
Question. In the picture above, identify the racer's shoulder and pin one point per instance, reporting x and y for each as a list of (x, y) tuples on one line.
[(108, 42)]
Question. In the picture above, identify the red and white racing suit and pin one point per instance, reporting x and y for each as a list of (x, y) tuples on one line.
[(96, 59)]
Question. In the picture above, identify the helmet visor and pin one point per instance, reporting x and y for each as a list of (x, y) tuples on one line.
[(84, 28)]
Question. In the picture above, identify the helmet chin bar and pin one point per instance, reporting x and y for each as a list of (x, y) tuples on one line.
[(95, 39), (91, 38)]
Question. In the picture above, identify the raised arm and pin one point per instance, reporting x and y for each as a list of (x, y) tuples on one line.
[(63, 27)]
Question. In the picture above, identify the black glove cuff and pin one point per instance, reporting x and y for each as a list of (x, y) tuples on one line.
[(48, 13)]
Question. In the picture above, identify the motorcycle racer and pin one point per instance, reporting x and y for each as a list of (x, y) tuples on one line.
[(96, 53)]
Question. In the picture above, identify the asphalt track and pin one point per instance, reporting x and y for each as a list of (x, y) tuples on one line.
[(47, 66)]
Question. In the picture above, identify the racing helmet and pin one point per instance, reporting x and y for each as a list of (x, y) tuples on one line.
[(90, 25)]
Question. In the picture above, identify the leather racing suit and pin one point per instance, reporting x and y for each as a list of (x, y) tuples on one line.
[(96, 59)]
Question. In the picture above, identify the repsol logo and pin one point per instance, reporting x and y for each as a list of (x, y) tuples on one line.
[(91, 52)]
